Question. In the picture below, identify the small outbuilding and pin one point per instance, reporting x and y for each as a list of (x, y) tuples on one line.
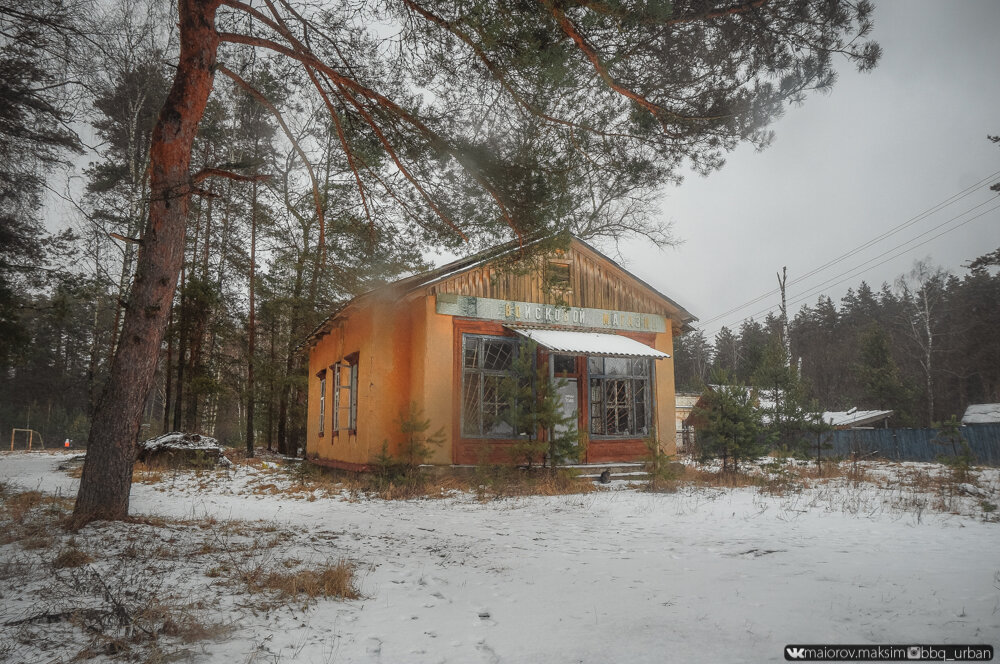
[(858, 419), (445, 339), (684, 404), (982, 413)]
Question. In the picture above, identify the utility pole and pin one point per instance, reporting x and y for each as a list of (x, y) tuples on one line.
[(785, 338)]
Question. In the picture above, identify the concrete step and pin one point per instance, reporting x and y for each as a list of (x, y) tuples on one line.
[(617, 471)]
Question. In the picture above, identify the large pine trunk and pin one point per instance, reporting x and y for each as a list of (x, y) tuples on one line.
[(107, 470)]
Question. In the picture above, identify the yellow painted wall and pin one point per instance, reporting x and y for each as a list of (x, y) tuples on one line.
[(665, 391), (352, 334), (405, 354), (432, 374)]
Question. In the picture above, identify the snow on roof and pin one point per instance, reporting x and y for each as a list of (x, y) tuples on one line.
[(854, 417), (982, 413), (764, 397), (589, 343), (686, 400), (844, 418)]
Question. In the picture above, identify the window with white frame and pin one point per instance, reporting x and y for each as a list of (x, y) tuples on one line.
[(486, 362), (345, 395), (619, 396)]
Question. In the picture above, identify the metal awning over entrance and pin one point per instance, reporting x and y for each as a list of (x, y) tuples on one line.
[(588, 343)]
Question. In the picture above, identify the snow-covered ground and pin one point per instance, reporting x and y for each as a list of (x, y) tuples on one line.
[(700, 575)]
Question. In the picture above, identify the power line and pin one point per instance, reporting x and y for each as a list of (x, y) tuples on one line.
[(854, 271), (954, 198)]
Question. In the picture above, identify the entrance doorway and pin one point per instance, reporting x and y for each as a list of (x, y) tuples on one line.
[(567, 369)]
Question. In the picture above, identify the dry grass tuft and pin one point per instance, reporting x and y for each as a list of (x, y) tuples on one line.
[(143, 473), (729, 479), (31, 517), (189, 629), (778, 476), (505, 481), (37, 542), (71, 557), (21, 503), (331, 580)]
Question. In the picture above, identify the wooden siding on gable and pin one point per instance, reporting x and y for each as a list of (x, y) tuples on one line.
[(595, 283)]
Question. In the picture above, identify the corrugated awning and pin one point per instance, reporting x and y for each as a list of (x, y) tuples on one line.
[(589, 343)]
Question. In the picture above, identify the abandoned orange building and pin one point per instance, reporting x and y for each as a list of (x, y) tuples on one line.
[(443, 340)]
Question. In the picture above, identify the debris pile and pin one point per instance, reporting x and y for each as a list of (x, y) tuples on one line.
[(179, 447)]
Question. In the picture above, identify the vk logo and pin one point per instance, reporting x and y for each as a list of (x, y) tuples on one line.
[(795, 653)]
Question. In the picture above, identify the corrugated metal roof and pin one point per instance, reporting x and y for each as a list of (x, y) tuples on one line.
[(589, 343), (982, 413), (854, 417)]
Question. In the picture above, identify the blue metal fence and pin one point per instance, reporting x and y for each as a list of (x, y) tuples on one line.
[(915, 444)]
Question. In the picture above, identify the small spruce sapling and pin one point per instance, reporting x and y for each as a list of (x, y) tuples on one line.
[(731, 424), (387, 468), (817, 429), (545, 432), (790, 424), (417, 442), (950, 435), (660, 466), (415, 449)]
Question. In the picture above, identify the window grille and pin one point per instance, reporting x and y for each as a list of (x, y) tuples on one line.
[(486, 362), (619, 396)]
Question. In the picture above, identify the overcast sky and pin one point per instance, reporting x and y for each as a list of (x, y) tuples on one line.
[(846, 167)]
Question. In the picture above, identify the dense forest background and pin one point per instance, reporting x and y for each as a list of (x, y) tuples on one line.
[(925, 346), (251, 287), (83, 85)]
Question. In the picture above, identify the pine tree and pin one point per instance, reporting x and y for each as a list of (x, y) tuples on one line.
[(789, 417), (726, 352), (418, 444), (692, 361), (730, 424), (536, 414), (38, 43), (877, 372)]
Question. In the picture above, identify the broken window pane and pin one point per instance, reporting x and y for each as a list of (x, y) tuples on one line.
[(497, 355), (471, 356), (486, 361), (495, 408), (619, 397), (563, 364), (617, 366), (471, 407)]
